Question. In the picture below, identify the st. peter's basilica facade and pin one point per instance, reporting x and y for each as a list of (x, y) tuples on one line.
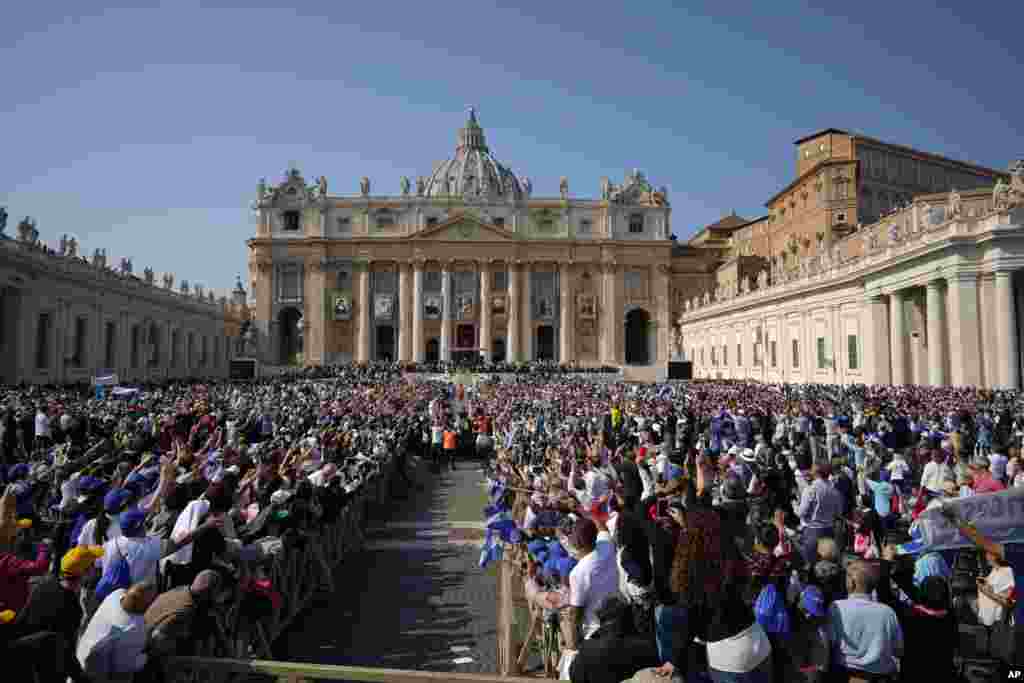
[(465, 261)]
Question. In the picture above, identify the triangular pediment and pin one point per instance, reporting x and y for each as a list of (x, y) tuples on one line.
[(463, 228)]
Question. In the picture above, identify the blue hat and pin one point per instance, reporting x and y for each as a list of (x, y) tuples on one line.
[(813, 601), (17, 471), (132, 521), (115, 500)]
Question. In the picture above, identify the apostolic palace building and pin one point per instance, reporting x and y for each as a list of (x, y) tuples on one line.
[(878, 263)]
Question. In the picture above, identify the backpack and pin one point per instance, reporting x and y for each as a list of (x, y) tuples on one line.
[(117, 575)]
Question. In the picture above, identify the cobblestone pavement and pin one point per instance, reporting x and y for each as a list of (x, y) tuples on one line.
[(413, 594)]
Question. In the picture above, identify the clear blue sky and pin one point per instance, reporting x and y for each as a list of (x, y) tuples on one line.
[(144, 128)]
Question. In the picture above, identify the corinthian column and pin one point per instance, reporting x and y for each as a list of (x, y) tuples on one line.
[(936, 334), (446, 312), (565, 332), (484, 269), (418, 349), (512, 312), (1006, 330), (363, 321), (405, 307)]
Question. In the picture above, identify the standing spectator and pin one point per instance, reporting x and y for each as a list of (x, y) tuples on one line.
[(112, 648), (450, 442), (614, 652), (592, 580), (981, 473), (865, 635), (820, 505), (41, 430), (177, 620)]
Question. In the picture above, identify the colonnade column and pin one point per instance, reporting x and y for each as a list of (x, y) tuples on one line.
[(936, 334), (526, 340), (898, 337), (512, 309), (1006, 331), (418, 348), (876, 342), (964, 344), (446, 312), (484, 269), (566, 336), (404, 318), (363, 320)]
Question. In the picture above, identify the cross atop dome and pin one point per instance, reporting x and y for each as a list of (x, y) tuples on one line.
[(471, 136)]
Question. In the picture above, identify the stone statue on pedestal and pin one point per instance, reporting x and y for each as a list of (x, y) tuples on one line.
[(184, 287), (404, 183), (527, 187), (63, 250), (147, 275), (955, 204), (126, 266), (563, 187), (677, 342), (421, 186), (73, 247), (762, 279), (99, 258), (364, 186), (3, 219)]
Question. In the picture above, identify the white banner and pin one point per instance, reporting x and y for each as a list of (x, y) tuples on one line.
[(998, 516)]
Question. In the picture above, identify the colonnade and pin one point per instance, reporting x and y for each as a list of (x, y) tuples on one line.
[(970, 333)]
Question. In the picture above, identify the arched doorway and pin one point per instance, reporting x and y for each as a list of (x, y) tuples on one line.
[(385, 343), (433, 351), (637, 348), (545, 342), (289, 322)]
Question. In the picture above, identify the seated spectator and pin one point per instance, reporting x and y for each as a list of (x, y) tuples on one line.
[(865, 635), (614, 652), (112, 648)]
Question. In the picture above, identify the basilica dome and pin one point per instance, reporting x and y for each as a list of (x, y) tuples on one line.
[(473, 173)]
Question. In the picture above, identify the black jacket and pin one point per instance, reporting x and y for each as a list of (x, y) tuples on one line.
[(611, 656)]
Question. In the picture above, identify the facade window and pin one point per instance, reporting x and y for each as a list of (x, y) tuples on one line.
[(636, 223), (633, 283), (431, 221), (796, 354), (154, 346), (290, 221), (189, 345), (202, 351), (43, 341), (714, 357), (586, 227), (344, 280), (81, 329), (385, 219), (175, 343), (739, 355), (702, 355), (289, 284), (851, 351), (498, 222), (216, 351), (725, 355), (501, 281), (345, 225), (822, 361), (775, 358), (109, 345), (135, 346)]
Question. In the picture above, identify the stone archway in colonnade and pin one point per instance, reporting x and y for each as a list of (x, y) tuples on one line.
[(638, 337)]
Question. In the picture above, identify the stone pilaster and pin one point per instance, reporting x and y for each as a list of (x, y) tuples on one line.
[(527, 337), (314, 343), (877, 368), (663, 311)]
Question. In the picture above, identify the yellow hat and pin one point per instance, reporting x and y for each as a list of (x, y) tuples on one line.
[(7, 616), (80, 559)]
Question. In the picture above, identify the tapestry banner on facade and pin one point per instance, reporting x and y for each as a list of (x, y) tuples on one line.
[(383, 307), (432, 307), (338, 304)]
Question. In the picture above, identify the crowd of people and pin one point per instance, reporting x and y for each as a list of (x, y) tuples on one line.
[(724, 531)]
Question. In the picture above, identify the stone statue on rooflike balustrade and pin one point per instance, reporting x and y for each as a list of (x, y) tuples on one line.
[(147, 275)]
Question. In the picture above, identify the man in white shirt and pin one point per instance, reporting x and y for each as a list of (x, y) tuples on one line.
[(42, 428), (111, 648), (994, 591), (935, 472), (593, 579)]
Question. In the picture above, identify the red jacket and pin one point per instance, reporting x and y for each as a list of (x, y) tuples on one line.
[(14, 576)]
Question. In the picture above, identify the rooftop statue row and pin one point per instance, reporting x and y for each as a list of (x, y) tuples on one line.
[(68, 249)]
